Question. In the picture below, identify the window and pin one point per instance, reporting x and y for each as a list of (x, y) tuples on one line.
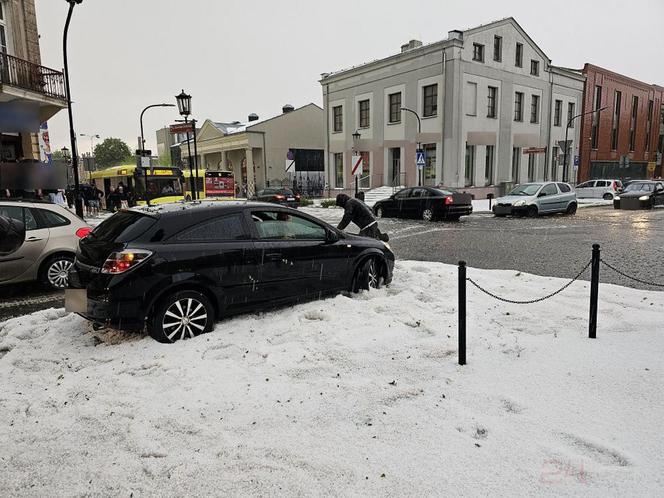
[(557, 111), (649, 124), (18, 213), (420, 192), (402, 194), (531, 167), (225, 228), (478, 52), (471, 98), (395, 107), (365, 178), (488, 165), (516, 164), (497, 48), (590, 184), (554, 162), (570, 113), (3, 30), (534, 109), (534, 68), (615, 128), (430, 166), (518, 59), (632, 123), (518, 106), (338, 115), (470, 165), (339, 170), (281, 225), (564, 188), (549, 189), (51, 219), (430, 100), (602, 183), (491, 103), (365, 110), (594, 131)]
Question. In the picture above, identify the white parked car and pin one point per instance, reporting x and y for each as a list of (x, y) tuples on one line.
[(599, 189)]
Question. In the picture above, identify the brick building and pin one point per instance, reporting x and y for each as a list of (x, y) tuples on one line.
[(626, 139)]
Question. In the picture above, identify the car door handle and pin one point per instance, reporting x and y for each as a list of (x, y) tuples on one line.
[(274, 256), (33, 239)]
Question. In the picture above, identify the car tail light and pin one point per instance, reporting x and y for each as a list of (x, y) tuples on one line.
[(297, 197), (280, 197), (120, 262), (81, 233), (449, 200)]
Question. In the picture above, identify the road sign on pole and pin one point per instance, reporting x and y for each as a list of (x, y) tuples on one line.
[(420, 159), (356, 163)]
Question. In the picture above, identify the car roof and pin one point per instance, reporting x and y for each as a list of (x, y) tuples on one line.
[(177, 208), (26, 201)]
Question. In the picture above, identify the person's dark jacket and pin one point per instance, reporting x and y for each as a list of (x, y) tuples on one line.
[(12, 235), (354, 210)]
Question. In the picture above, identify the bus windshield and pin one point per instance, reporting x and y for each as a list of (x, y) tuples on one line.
[(158, 186)]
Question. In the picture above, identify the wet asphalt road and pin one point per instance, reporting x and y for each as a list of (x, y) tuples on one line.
[(556, 246)]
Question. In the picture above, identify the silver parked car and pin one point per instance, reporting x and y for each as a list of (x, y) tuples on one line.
[(599, 189), (531, 199), (51, 240)]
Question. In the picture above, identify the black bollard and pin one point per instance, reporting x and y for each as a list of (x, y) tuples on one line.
[(594, 292), (462, 312)]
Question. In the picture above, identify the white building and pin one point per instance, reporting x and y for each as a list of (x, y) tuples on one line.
[(491, 105)]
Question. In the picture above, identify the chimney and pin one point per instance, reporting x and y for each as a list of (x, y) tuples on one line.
[(252, 117), (455, 35), (410, 45), (287, 108)]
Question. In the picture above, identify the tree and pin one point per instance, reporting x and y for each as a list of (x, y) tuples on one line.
[(111, 152), (57, 155)]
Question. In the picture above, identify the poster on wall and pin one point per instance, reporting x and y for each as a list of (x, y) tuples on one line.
[(44, 144)]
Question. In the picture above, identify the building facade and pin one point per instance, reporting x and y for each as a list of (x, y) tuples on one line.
[(30, 93), (492, 112), (272, 152), (626, 139)]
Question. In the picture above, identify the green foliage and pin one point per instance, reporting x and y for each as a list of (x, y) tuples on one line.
[(305, 201), (327, 203), (57, 155), (165, 160), (112, 152)]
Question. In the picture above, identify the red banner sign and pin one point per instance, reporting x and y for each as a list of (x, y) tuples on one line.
[(181, 128)]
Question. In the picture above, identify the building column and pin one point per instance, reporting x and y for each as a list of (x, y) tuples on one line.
[(251, 172), (223, 161)]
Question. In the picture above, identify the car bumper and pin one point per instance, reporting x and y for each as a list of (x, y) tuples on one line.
[(459, 210), (631, 204), (509, 210)]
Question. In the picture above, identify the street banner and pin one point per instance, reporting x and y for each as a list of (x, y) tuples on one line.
[(534, 150), (181, 128), (356, 165), (44, 144)]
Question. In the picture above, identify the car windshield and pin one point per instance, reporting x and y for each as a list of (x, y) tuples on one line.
[(526, 189), (636, 187)]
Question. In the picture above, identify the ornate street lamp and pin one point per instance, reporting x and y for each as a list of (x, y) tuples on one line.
[(184, 107)]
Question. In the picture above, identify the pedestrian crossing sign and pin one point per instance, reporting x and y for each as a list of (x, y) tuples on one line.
[(420, 159)]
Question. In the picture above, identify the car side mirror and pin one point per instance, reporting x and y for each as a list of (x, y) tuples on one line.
[(541, 194), (12, 235), (331, 237)]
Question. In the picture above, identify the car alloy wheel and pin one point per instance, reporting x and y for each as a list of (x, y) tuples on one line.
[(571, 209), (182, 315), (379, 212), (368, 276), (57, 272), (427, 214), (532, 211), (608, 197)]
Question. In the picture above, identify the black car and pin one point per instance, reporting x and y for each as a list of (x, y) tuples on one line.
[(282, 196), (640, 194), (178, 267), (427, 203)]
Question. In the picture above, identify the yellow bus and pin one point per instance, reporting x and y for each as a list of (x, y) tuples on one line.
[(140, 185), (210, 185)]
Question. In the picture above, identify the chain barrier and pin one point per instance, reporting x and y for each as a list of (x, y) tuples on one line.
[(619, 272), (531, 301)]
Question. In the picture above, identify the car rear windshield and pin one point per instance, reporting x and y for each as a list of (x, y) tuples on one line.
[(123, 226), (443, 191)]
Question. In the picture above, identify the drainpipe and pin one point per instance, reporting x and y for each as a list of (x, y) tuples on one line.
[(442, 121), (548, 140), (264, 162), (327, 136)]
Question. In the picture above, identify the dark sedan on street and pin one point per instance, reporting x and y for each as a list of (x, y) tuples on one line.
[(641, 194), (179, 267), (427, 203), (282, 196)]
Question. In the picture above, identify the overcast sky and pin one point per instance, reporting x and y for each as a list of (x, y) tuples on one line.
[(236, 57)]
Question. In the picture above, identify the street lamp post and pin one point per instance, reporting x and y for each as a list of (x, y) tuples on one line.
[(419, 145), (141, 121), (184, 107), (78, 201), (356, 138), (66, 157), (569, 123)]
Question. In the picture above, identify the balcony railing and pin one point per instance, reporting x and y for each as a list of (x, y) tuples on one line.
[(33, 77)]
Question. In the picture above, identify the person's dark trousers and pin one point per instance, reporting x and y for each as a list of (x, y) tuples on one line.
[(374, 232)]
